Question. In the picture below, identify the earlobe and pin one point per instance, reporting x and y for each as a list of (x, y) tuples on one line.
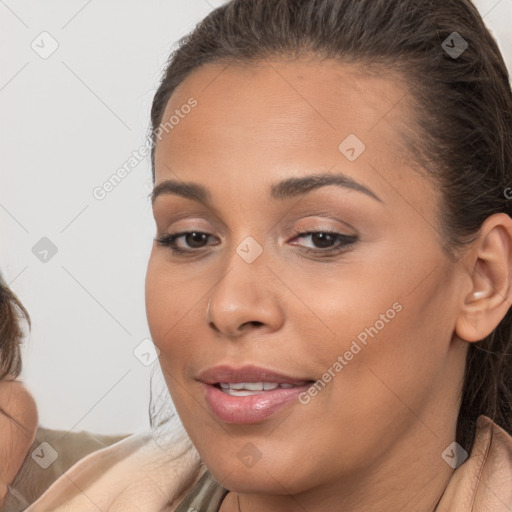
[(490, 267)]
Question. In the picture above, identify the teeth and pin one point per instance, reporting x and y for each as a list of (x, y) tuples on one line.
[(251, 388), (237, 385)]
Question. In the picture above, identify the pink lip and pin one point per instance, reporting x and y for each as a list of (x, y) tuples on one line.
[(245, 374), (248, 409)]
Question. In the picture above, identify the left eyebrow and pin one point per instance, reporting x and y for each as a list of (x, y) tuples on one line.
[(293, 187), (286, 189)]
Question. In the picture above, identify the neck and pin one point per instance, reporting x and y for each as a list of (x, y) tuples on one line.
[(413, 481)]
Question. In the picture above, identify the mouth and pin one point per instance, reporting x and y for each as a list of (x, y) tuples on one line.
[(254, 388), (249, 394)]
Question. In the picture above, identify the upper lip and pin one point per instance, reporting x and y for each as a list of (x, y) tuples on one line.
[(229, 374)]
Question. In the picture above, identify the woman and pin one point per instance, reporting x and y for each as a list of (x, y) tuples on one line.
[(18, 412), (329, 287), (24, 471)]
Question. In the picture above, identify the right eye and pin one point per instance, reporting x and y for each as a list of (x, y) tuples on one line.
[(193, 240)]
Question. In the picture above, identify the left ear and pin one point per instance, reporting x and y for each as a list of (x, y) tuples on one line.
[(489, 262)]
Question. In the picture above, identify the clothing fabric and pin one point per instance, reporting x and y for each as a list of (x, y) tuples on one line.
[(206, 496), (136, 474), (35, 477), (484, 482)]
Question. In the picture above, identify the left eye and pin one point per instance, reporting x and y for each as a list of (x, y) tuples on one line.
[(327, 241)]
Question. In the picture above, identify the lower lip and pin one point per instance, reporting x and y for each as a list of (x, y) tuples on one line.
[(252, 408)]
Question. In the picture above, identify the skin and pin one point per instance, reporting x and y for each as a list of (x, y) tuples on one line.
[(18, 430), (383, 421)]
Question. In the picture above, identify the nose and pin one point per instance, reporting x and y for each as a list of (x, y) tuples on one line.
[(245, 299)]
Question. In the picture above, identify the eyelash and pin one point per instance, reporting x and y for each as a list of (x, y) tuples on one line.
[(344, 242)]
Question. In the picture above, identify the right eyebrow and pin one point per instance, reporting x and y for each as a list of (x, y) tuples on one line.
[(188, 190)]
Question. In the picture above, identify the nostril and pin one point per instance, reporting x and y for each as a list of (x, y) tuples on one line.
[(214, 327)]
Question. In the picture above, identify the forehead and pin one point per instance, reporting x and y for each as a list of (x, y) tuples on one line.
[(265, 118)]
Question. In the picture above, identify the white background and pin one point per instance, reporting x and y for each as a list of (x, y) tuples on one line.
[(68, 123)]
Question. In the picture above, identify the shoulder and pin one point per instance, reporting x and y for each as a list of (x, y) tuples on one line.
[(52, 453), (483, 481), (496, 482), (493, 449), (135, 474)]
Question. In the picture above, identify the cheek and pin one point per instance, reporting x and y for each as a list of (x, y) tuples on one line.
[(170, 299), (176, 305), (392, 324), (166, 310)]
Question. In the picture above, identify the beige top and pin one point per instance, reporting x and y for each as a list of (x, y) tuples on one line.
[(137, 475), (35, 475)]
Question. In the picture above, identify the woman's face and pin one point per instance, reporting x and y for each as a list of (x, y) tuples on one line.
[(367, 313)]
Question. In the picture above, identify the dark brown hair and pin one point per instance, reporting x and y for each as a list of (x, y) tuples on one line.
[(463, 122), (11, 333)]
